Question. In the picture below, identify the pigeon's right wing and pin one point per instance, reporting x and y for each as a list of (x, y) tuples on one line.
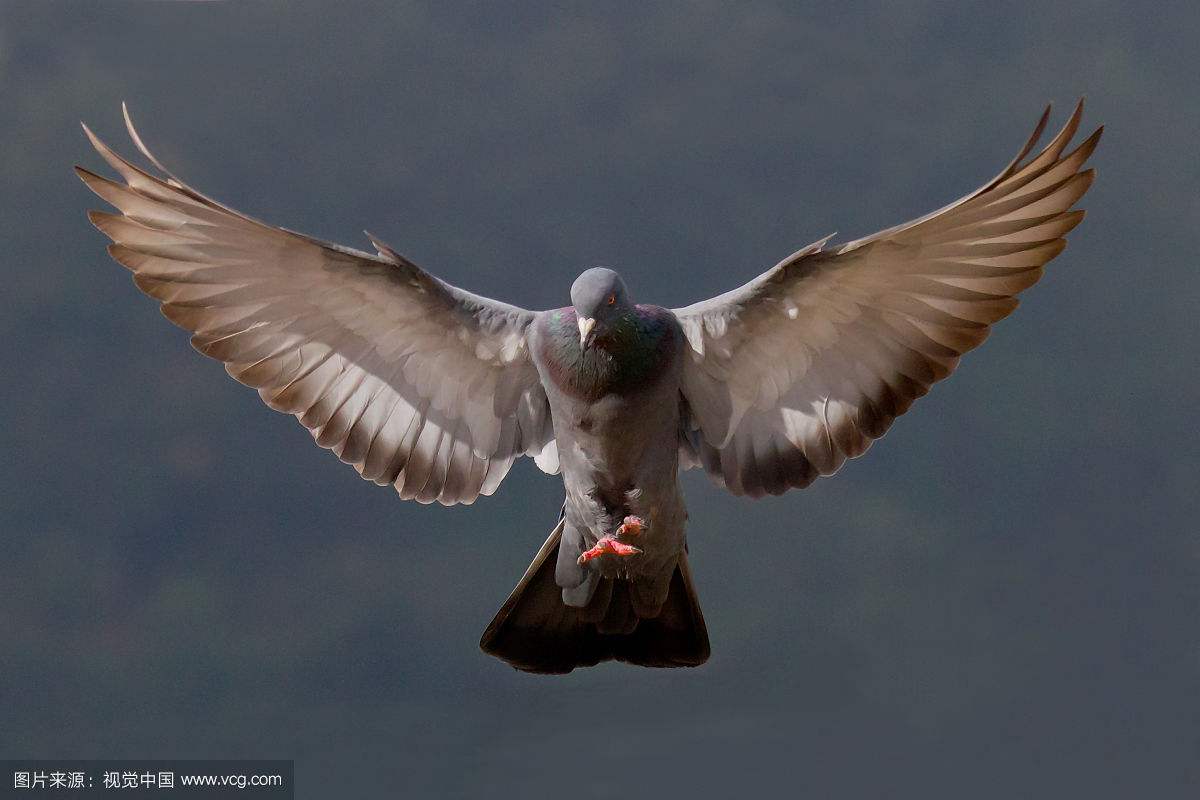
[(412, 381), (803, 367)]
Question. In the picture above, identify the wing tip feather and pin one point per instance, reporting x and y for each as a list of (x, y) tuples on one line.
[(136, 138), (100, 219)]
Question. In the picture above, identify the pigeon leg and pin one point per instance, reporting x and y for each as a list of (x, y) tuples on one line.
[(608, 545)]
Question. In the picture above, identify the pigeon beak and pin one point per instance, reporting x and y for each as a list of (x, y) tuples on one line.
[(586, 325)]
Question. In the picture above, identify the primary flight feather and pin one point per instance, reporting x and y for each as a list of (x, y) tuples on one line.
[(437, 391)]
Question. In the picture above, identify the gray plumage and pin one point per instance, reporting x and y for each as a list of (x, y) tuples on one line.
[(436, 391)]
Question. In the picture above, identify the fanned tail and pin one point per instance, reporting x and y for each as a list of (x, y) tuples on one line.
[(535, 631)]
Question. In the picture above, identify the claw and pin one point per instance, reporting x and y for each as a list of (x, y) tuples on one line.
[(605, 546), (631, 526)]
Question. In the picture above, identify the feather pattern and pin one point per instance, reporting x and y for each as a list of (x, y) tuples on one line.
[(412, 381), (637, 351), (807, 364)]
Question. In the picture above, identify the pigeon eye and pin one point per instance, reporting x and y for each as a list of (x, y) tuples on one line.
[(612, 298)]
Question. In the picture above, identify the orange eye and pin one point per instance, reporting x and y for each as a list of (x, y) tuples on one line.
[(612, 298)]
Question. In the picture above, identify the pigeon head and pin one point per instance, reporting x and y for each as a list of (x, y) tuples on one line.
[(599, 297)]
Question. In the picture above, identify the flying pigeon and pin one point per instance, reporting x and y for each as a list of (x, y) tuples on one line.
[(437, 391)]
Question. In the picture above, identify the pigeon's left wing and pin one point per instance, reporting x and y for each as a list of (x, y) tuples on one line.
[(803, 367), (412, 381)]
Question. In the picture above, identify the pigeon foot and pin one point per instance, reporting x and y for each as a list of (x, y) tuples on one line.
[(608, 545)]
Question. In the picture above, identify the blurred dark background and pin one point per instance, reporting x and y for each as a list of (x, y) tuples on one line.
[(999, 600)]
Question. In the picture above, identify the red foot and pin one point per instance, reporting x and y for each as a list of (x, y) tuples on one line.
[(632, 526), (608, 545)]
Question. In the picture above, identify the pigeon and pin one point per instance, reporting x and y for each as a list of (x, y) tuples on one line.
[(437, 391)]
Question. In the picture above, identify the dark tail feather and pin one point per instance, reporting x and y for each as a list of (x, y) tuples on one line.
[(535, 631)]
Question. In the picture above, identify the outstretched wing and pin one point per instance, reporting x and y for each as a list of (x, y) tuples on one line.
[(412, 381), (803, 367)]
